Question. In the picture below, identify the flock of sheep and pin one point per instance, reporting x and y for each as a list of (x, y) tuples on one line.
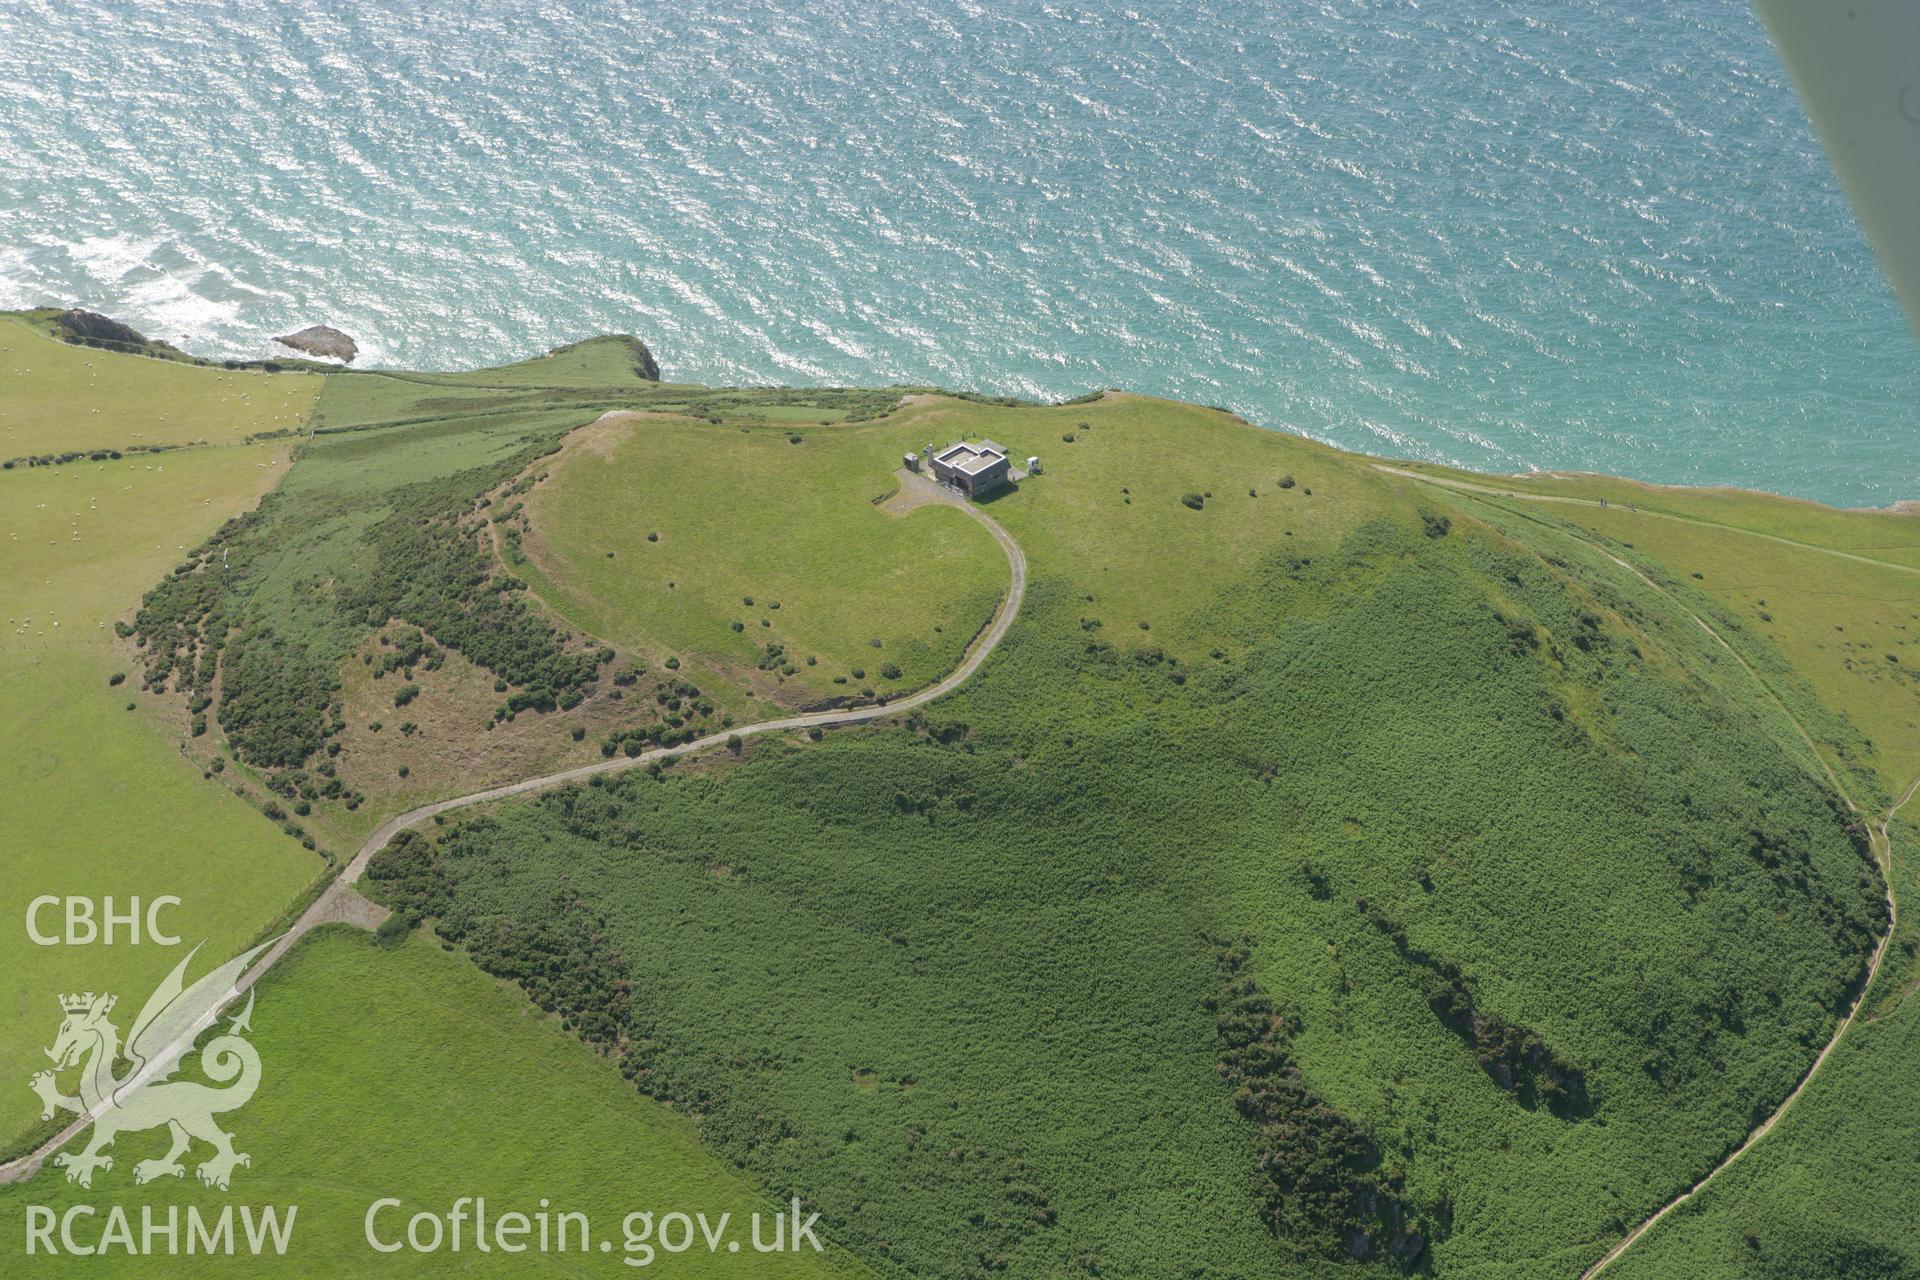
[(24, 626)]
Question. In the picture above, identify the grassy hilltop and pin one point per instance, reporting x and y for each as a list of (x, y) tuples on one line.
[(1546, 890), (776, 567), (1339, 869)]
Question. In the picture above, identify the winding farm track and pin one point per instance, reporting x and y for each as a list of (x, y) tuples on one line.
[(340, 901), (1880, 838)]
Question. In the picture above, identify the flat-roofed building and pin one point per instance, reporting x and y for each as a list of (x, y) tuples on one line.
[(973, 469)]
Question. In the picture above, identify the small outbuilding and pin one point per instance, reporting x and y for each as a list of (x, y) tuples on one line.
[(973, 469)]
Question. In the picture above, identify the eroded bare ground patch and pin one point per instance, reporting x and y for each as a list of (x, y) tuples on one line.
[(448, 735), (604, 433)]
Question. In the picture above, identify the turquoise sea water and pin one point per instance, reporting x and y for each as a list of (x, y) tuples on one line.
[(1555, 233)]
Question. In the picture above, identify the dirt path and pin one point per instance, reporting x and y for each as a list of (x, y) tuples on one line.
[(341, 902), (1880, 839)]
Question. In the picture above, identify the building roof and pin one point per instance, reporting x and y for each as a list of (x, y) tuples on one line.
[(971, 459)]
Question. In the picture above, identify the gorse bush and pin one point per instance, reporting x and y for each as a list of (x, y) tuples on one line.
[(274, 635), (1324, 1186), (1514, 1057)]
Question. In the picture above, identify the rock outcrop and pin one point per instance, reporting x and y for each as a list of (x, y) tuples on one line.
[(320, 340), (98, 328), (643, 362)]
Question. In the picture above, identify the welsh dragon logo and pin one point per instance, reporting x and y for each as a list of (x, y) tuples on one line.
[(146, 1097)]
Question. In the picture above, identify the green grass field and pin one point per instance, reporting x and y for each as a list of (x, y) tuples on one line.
[(667, 537), (407, 1074), (55, 398), (96, 800), (83, 541)]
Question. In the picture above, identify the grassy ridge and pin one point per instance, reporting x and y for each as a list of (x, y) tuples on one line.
[(1882, 535), (1851, 628), (1837, 593), (973, 1018), (1109, 512)]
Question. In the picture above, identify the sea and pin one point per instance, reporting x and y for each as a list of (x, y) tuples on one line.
[(1544, 234)]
